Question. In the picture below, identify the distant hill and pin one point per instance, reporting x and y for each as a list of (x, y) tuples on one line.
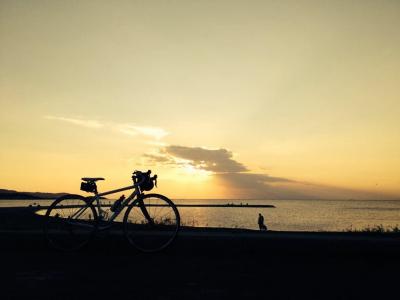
[(11, 194)]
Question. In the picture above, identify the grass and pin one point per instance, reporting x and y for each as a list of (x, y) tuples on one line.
[(375, 229), (190, 223)]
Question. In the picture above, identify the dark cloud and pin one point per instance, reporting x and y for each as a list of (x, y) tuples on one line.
[(252, 180), (260, 186), (219, 161), (239, 182), (158, 158)]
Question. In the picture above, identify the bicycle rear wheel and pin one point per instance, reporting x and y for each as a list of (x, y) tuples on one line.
[(70, 223), (151, 223)]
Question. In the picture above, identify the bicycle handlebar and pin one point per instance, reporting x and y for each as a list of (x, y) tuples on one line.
[(143, 177)]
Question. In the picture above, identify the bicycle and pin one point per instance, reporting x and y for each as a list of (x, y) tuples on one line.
[(150, 222)]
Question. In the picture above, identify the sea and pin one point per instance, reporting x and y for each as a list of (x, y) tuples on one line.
[(288, 215)]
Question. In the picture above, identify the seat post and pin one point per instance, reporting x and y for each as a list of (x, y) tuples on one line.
[(95, 188), (97, 198)]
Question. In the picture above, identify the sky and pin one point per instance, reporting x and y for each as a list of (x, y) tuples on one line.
[(222, 99)]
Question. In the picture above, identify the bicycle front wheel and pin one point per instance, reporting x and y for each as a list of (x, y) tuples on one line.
[(151, 223), (70, 222)]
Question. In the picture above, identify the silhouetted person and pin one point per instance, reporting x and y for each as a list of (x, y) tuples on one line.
[(261, 222)]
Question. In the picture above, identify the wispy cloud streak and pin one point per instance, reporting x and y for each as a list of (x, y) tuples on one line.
[(79, 122), (153, 132)]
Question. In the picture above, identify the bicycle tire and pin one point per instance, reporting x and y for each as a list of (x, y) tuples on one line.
[(157, 233), (64, 233)]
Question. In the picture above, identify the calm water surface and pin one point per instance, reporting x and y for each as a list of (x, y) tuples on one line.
[(291, 215)]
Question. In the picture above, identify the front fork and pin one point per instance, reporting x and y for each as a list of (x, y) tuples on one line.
[(144, 210)]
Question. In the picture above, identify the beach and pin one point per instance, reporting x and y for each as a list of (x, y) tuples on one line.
[(203, 263)]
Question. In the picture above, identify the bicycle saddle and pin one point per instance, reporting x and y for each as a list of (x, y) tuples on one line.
[(92, 179)]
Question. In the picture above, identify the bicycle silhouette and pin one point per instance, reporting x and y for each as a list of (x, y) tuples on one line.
[(150, 221)]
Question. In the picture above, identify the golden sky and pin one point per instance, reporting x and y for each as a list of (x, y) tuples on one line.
[(254, 99)]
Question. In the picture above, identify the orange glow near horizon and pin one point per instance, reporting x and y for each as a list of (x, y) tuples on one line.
[(272, 99)]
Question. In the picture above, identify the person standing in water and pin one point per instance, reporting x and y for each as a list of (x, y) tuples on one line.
[(261, 224)]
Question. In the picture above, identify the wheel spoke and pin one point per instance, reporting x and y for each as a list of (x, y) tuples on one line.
[(152, 237), (70, 223)]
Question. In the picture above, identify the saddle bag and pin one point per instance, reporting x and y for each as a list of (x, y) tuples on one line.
[(89, 187)]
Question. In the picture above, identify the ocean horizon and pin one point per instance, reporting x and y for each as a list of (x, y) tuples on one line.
[(288, 215)]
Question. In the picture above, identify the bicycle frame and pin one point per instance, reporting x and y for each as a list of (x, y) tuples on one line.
[(124, 203)]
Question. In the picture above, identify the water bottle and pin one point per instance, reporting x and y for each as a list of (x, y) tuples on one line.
[(117, 204)]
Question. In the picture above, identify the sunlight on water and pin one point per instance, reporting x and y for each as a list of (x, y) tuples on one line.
[(290, 215), (295, 215)]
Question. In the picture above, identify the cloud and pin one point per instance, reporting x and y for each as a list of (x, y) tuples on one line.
[(155, 133), (252, 180), (260, 186), (156, 158), (133, 130), (79, 122), (240, 182), (218, 161), (228, 172)]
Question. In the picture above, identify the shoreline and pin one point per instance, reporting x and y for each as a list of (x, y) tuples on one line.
[(24, 223), (20, 218)]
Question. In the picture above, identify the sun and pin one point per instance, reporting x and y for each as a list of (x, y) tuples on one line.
[(192, 170)]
